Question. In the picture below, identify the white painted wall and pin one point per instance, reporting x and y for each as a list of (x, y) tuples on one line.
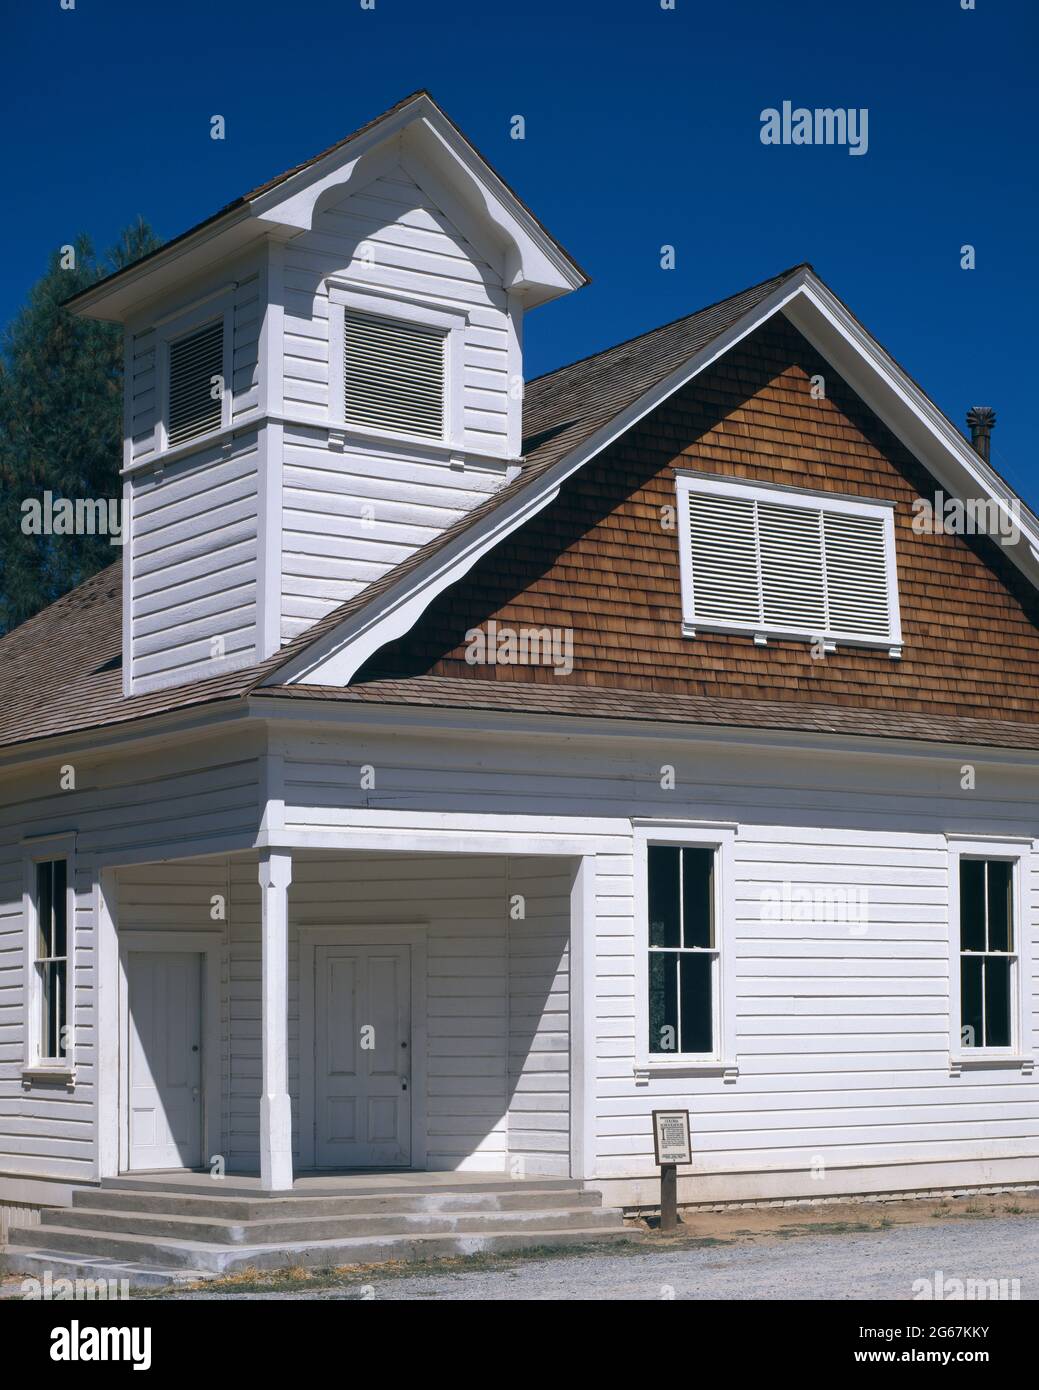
[(121, 806), (194, 566), (842, 1040)]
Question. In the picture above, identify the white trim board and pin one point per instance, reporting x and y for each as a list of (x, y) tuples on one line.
[(817, 313)]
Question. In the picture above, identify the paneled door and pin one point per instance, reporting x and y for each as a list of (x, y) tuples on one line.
[(164, 1065), (362, 1080)]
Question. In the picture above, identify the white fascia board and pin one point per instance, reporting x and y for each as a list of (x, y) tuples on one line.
[(896, 399), (336, 657), (336, 716)]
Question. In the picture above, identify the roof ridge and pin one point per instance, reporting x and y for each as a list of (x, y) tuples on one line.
[(671, 323)]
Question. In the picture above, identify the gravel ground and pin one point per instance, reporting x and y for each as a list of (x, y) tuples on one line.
[(877, 1265)]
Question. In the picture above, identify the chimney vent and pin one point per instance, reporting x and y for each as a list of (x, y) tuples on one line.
[(980, 420)]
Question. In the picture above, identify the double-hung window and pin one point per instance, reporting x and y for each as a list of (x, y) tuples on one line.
[(987, 953), (685, 959), (989, 950), (49, 948), (781, 562)]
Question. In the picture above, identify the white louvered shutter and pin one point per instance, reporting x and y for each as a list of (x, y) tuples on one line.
[(791, 548), (723, 537), (787, 567), (856, 574), (394, 375), (195, 361)]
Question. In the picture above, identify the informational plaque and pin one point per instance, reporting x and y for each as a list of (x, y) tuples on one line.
[(671, 1136)]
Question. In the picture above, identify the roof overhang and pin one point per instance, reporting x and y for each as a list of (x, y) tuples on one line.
[(335, 657), (418, 134)]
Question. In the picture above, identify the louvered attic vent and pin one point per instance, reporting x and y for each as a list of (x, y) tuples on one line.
[(195, 361), (773, 562), (394, 375)]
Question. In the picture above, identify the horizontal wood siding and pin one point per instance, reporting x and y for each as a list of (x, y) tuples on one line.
[(117, 807), (348, 517), (194, 559), (246, 318), (842, 1038)]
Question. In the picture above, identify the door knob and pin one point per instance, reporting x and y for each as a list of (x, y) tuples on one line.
[(194, 1047), (404, 1083)]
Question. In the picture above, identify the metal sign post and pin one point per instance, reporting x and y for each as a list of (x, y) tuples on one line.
[(671, 1146)]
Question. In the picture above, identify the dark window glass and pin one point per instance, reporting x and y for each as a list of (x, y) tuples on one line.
[(663, 1001), (664, 912), (972, 905), (697, 1023), (1000, 899), (51, 954), (997, 1001), (972, 1034), (697, 897)]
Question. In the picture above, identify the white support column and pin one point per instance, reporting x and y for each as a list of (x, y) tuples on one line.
[(275, 1105), (583, 1025)]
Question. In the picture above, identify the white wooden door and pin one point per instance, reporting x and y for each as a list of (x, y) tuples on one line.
[(362, 1081), (164, 1064)]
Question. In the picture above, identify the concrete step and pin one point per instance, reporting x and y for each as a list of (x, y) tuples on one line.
[(38, 1263), (367, 1185), (305, 1226), (67, 1243), (219, 1205)]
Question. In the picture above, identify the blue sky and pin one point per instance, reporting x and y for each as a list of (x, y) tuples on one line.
[(642, 129)]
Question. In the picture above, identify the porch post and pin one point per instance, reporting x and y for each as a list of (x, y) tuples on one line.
[(275, 1105)]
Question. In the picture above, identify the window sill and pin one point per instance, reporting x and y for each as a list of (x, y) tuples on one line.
[(686, 1066), (59, 1071), (692, 627), (973, 1061)]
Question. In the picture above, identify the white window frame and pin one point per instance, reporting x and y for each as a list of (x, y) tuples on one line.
[(688, 481), (407, 309), (721, 837), (37, 850), (1019, 853), (167, 332)]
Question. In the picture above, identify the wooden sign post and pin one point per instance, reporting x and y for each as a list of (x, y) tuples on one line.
[(671, 1146)]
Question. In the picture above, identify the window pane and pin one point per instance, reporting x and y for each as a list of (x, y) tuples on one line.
[(697, 1022), (1000, 906), (972, 905), (970, 1002), (664, 916), (997, 1002), (52, 1012), (59, 936), (697, 897), (663, 1001), (44, 915)]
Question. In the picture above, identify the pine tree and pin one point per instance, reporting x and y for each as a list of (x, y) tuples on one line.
[(60, 424)]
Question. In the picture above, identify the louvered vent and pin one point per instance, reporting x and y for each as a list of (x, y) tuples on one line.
[(394, 375), (196, 377), (786, 567)]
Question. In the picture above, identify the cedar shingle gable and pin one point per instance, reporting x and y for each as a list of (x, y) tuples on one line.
[(598, 561)]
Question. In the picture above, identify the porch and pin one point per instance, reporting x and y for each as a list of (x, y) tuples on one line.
[(292, 1021)]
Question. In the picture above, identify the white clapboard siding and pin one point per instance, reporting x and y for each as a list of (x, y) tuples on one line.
[(194, 567), (391, 236), (119, 807), (842, 1038), (348, 517)]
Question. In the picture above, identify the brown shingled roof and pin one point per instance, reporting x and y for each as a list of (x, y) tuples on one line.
[(60, 672)]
